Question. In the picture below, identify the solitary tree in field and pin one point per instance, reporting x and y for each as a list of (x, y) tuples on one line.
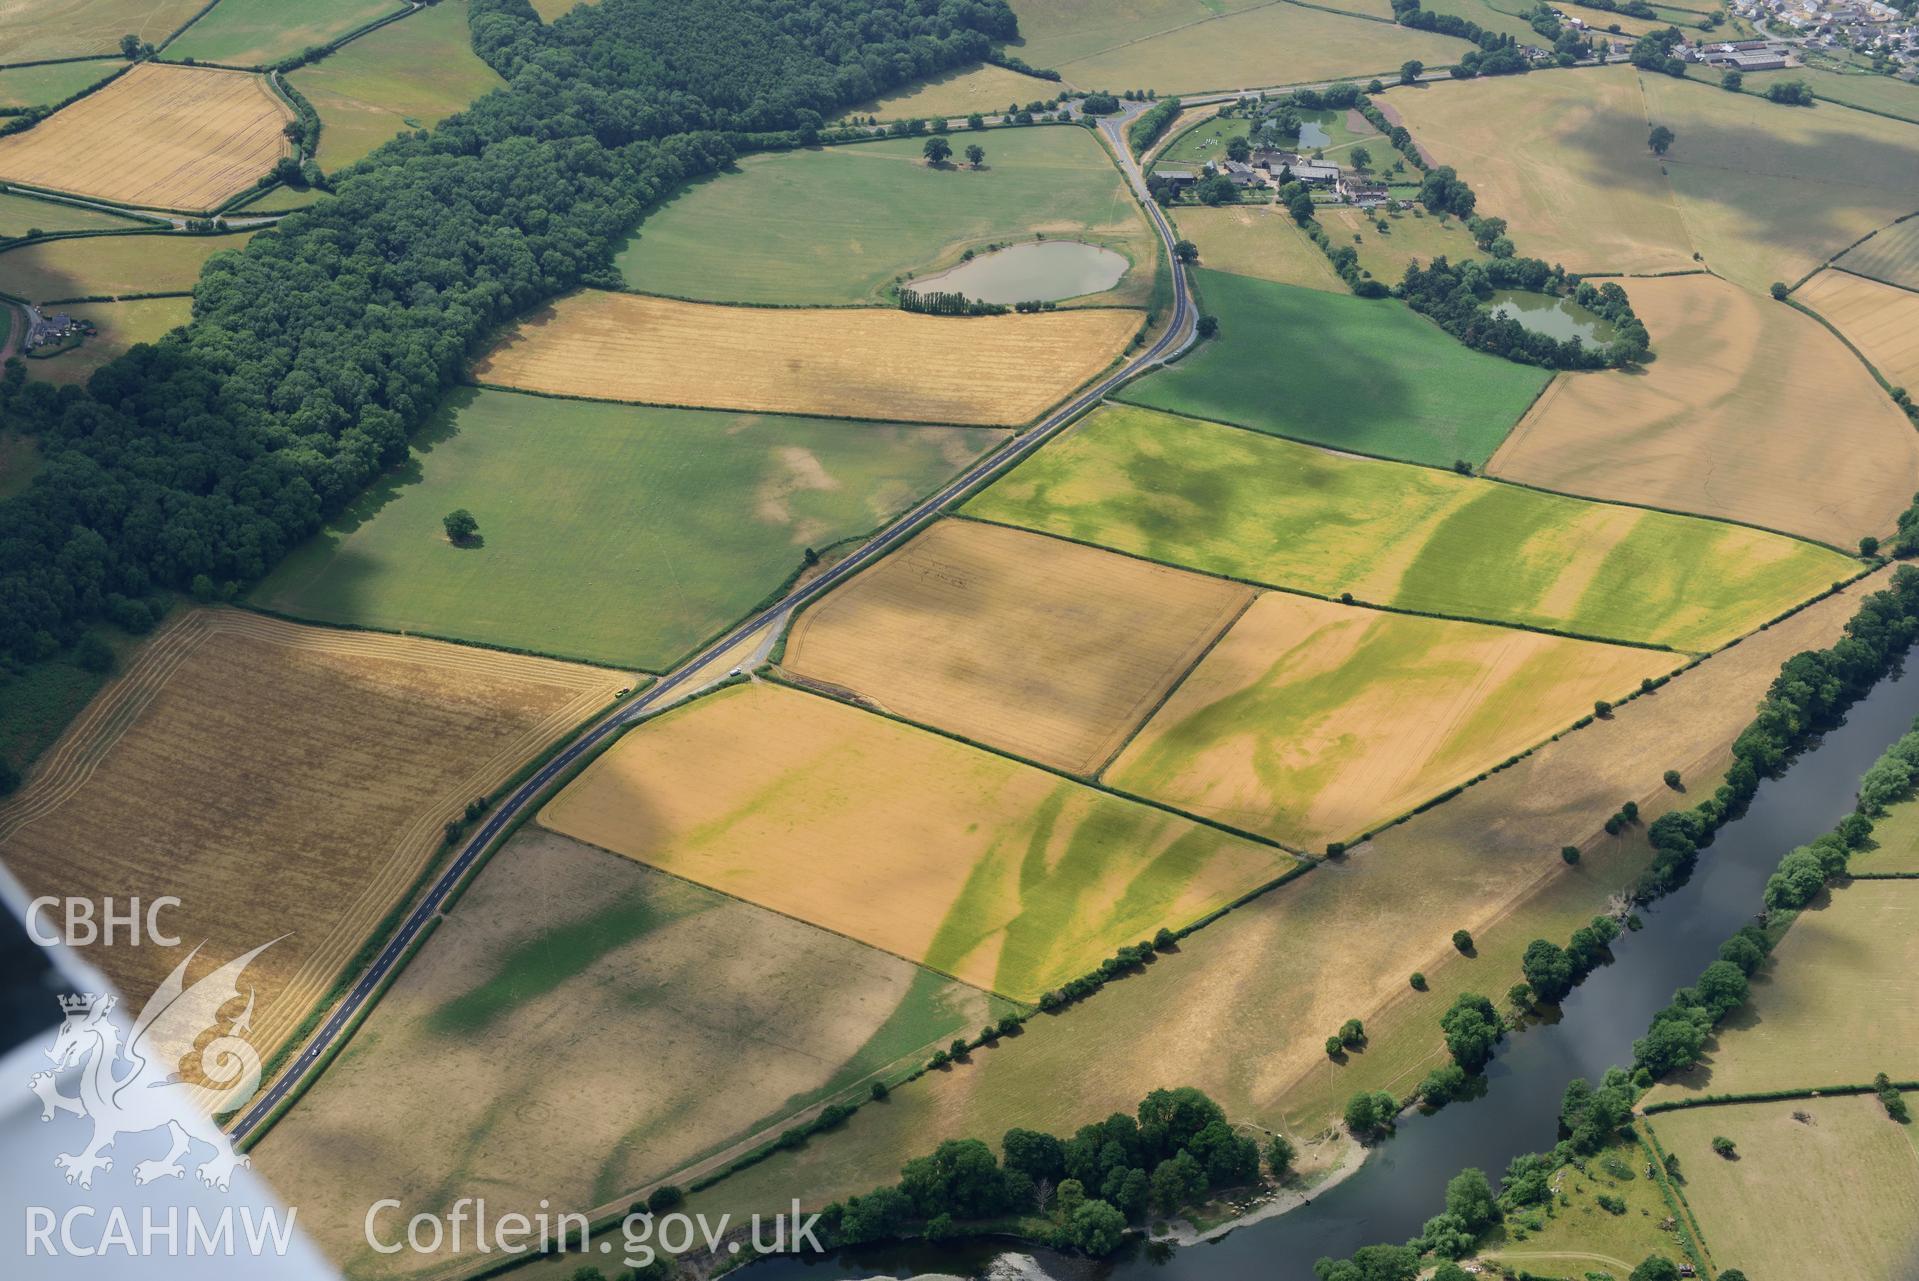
[(1724, 1146), (460, 526), (1208, 326), (936, 150), (1362, 159), (1660, 140), (975, 155)]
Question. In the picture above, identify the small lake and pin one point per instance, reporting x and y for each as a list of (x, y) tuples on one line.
[(1039, 271), (1560, 318)]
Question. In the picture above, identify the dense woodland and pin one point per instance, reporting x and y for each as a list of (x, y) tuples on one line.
[(314, 353)]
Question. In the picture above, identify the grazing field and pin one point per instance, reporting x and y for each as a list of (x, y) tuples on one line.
[(121, 325), (1409, 237), (599, 533), (1312, 722), (853, 362), (1880, 320), (1580, 1234), (1769, 192), (842, 224), (1835, 1195), (278, 778), (1405, 389), (1833, 1007), (21, 214), (43, 86), (74, 28), (1717, 424), (1233, 502), (109, 265), (986, 89), (563, 968), (1057, 31), (1041, 647), (1242, 1010), (1258, 240), (999, 874), (1886, 94), (257, 33), (1891, 255), (1895, 841), (170, 137), (1563, 159), (410, 74)]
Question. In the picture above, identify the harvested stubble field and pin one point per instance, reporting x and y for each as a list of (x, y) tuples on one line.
[(1003, 875), (410, 74), (1258, 240), (121, 325), (1564, 160), (1229, 501), (600, 536), (508, 1048), (278, 779), (31, 30), (1406, 389), (1244, 1007), (257, 33), (1880, 320), (1891, 255), (986, 89), (21, 214), (850, 362), (1717, 424), (1835, 1195), (842, 224), (1312, 722), (171, 137), (1040, 647), (93, 266), (1833, 1007)]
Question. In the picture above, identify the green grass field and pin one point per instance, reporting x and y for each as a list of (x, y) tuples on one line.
[(1868, 92), (839, 225), (96, 266), (1892, 255), (21, 214), (407, 75), (121, 325), (256, 33), (1572, 1233), (1235, 502), (602, 535), (55, 82), (38, 700), (1895, 841), (1340, 371), (1204, 141)]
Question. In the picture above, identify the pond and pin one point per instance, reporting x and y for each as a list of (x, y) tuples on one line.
[(1039, 271), (1404, 1181), (1560, 318), (1313, 134)]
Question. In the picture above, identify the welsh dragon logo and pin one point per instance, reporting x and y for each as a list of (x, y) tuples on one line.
[(136, 1088)]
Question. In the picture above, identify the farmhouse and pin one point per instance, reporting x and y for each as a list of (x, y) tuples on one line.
[(1363, 192), (43, 329), (1304, 168), (1242, 175)]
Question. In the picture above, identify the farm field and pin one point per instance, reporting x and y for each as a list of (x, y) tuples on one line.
[(20, 214), (121, 325), (1834, 1196), (1409, 238), (599, 536), (1228, 501), (1260, 241), (1406, 388), (1895, 841), (842, 224), (74, 28), (1583, 1234), (1769, 192), (1254, 994), (257, 33), (1891, 255), (1047, 649), (110, 265), (562, 968), (1494, 20), (1313, 722), (1736, 379), (1195, 146), (853, 362), (1883, 94), (1831, 1007), (45, 85), (1881, 320), (986, 88), (409, 74), (1563, 159), (1057, 31), (171, 137), (999, 874), (276, 778)]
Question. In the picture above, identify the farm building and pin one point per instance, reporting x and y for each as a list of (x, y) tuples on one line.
[(1176, 179)]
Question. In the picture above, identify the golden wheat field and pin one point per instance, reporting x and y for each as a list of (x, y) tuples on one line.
[(1880, 320), (163, 136), (1042, 647), (1718, 424), (848, 362), (280, 780)]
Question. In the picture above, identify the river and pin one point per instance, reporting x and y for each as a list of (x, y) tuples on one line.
[(1403, 1183)]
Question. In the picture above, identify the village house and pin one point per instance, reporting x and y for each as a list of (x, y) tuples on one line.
[(1364, 192)]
